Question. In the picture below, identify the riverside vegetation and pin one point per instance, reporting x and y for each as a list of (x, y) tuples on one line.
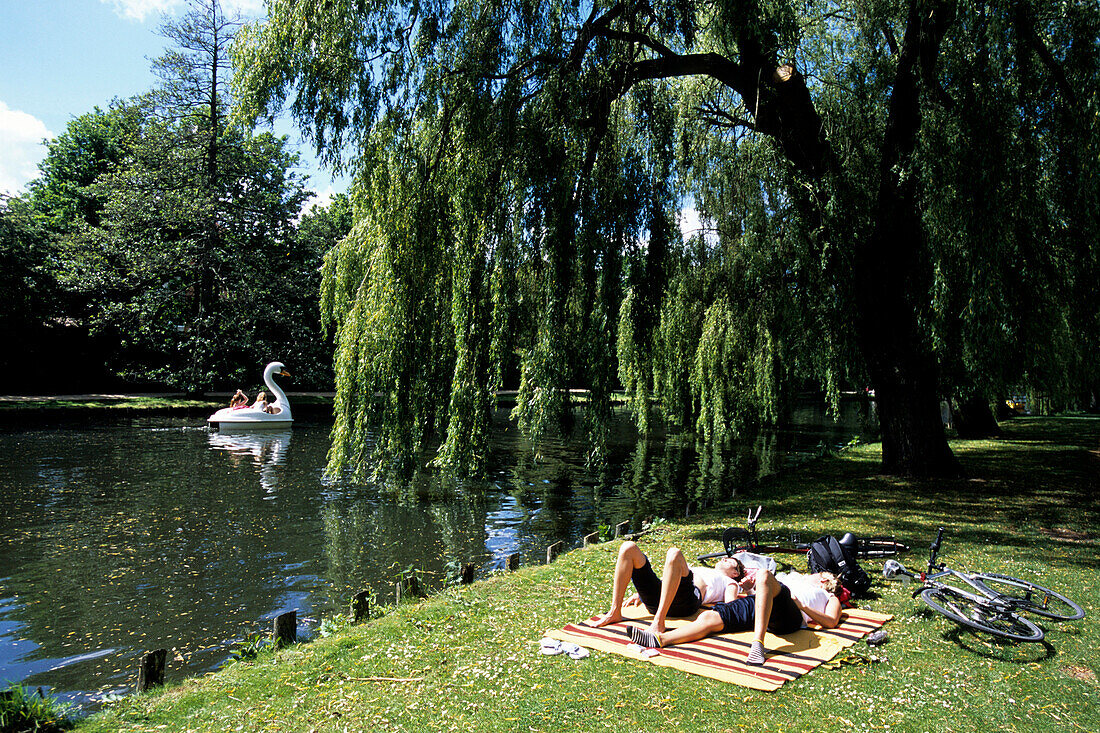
[(467, 658)]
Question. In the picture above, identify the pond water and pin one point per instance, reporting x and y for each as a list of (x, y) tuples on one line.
[(127, 536)]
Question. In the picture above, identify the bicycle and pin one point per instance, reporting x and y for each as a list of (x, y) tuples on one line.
[(735, 540), (995, 606)]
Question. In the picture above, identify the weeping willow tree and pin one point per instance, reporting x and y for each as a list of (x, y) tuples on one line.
[(520, 171), (1014, 303)]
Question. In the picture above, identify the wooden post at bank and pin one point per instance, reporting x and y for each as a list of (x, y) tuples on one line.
[(620, 528), (409, 585), (468, 571), (360, 606), (591, 539), (552, 551), (512, 562), (285, 629), (151, 670)]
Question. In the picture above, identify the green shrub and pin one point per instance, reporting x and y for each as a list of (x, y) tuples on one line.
[(22, 711)]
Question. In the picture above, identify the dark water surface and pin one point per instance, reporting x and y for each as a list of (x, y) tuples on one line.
[(124, 537)]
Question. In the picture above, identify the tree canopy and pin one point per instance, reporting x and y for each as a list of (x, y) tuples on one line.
[(171, 236), (887, 191)]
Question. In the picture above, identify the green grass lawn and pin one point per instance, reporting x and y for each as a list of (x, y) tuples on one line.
[(467, 658)]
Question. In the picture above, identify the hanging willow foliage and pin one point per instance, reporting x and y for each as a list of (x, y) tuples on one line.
[(520, 169), (497, 240)]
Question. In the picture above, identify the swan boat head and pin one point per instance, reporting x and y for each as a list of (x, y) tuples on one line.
[(253, 418)]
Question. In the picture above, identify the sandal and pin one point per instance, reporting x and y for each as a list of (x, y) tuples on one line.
[(550, 646)]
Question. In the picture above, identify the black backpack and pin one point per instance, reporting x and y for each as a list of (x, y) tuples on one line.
[(828, 555)]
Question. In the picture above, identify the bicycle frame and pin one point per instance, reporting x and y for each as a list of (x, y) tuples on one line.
[(734, 540), (937, 570), (967, 600), (993, 599)]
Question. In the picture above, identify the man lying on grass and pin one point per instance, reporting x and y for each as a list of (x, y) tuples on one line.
[(682, 590), (780, 607)]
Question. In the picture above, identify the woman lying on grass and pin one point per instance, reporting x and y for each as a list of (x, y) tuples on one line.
[(780, 607), (681, 592)]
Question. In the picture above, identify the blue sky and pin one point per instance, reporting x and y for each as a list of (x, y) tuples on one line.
[(62, 58)]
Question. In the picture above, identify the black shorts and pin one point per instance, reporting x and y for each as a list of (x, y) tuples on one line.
[(740, 614), (785, 618), (684, 603)]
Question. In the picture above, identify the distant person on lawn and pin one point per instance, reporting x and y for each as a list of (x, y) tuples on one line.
[(681, 592), (783, 604)]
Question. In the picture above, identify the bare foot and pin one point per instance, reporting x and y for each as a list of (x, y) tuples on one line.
[(611, 617)]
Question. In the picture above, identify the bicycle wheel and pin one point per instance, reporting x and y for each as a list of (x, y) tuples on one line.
[(1032, 598), (735, 539), (979, 614)]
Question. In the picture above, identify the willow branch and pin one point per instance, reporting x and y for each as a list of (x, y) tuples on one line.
[(722, 118)]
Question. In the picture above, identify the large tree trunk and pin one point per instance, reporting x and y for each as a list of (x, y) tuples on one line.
[(974, 420), (901, 366), (893, 275)]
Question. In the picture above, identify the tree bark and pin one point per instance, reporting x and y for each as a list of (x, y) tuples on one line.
[(893, 276), (974, 419)]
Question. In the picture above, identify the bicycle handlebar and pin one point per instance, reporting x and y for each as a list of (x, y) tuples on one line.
[(935, 550), (753, 517)]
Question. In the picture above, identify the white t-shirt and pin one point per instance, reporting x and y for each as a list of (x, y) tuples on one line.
[(807, 590), (716, 584)]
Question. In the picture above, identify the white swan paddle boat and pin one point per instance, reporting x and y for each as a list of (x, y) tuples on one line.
[(254, 418)]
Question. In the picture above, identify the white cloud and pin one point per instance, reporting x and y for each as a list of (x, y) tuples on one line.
[(247, 8), (21, 148), (139, 10), (319, 198)]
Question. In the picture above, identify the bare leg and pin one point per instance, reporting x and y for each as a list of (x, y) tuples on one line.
[(707, 623), (676, 568), (767, 587), (630, 557)]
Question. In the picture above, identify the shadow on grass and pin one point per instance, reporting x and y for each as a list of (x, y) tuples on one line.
[(987, 645), (1001, 650)]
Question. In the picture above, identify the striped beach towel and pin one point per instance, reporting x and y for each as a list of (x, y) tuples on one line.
[(722, 657)]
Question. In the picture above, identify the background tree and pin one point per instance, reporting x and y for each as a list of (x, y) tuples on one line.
[(28, 290), (126, 245), (194, 75), (173, 233), (521, 168)]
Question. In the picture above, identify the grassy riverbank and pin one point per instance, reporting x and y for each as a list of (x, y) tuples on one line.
[(78, 403), (467, 659)]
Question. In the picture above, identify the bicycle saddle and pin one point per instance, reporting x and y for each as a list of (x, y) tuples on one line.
[(850, 543)]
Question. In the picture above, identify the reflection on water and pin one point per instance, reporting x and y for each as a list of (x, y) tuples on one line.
[(126, 537), (266, 448)]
